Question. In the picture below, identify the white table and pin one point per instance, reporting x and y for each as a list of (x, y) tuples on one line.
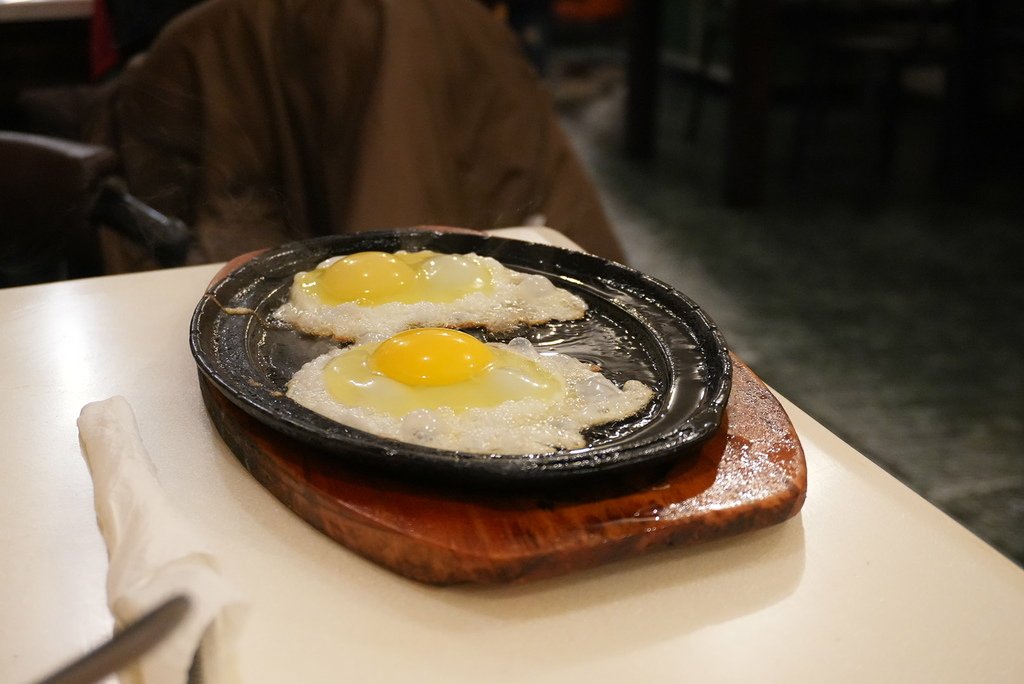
[(44, 10), (868, 583)]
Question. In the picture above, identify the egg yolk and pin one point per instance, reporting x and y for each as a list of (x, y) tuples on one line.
[(430, 368), (366, 278), (372, 278), (431, 357)]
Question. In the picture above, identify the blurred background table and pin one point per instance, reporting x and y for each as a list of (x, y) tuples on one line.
[(800, 53), (46, 42), (44, 10)]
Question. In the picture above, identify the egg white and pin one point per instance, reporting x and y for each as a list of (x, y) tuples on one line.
[(522, 426), (516, 299)]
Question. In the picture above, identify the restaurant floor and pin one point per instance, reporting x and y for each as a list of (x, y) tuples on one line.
[(896, 322)]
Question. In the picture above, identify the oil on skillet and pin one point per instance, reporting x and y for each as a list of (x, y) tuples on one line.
[(618, 352)]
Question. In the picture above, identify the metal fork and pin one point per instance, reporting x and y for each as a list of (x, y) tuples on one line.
[(124, 647)]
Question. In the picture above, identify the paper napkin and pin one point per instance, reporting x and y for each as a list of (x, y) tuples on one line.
[(155, 554)]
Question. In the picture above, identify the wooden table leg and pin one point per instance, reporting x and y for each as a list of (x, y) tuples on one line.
[(643, 72), (749, 101), (967, 131)]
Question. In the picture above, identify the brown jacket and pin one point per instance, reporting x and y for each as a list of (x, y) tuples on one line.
[(258, 122)]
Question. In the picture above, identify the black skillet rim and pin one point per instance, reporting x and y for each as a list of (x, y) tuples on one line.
[(237, 378)]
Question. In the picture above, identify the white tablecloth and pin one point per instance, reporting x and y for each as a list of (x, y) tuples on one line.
[(868, 583)]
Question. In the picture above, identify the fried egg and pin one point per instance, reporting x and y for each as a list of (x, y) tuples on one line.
[(445, 389), (353, 296)]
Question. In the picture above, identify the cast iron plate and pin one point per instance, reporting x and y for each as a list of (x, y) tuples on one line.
[(636, 327)]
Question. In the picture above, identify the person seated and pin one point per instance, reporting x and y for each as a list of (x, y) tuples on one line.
[(263, 123)]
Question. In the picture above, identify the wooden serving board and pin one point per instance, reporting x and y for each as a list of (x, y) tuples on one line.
[(750, 475)]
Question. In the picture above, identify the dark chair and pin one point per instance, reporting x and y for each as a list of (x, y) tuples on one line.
[(871, 45), (713, 33), (55, 196)]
